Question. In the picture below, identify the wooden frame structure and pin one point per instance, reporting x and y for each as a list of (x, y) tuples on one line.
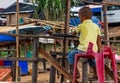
[(35, 58)]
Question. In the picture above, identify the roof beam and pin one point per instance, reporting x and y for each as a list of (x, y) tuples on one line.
[(111, 3), (103, 2)]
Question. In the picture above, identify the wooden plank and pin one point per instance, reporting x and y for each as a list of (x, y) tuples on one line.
[(21, 59), (111, 2), (91, 2), (108, 71), (111, 81), (50, 59), (106, 2), (10, 28)]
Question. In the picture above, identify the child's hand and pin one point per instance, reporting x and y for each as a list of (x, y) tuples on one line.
[(50, 32), (73, 33)]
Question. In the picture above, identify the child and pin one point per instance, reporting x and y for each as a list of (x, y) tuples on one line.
[(89, 32)]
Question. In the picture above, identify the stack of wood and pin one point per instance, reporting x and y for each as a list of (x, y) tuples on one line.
[(114, 31), (56, 25), (5, 74)]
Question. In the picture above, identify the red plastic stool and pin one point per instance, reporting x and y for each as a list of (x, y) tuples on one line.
[(107, 52), (99, 58)]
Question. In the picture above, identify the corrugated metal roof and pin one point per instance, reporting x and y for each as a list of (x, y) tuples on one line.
[(32, 30), (23, 8)]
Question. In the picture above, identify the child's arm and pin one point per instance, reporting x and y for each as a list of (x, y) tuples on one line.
[(99, 43)]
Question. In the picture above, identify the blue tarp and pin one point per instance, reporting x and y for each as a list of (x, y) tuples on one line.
[(98, 9), (76, 21), (4, 38), (26, 30)]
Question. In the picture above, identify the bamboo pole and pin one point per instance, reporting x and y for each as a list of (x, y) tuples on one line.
[(17, 38)]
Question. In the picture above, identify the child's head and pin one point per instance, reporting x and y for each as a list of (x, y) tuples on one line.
[(85, 13)]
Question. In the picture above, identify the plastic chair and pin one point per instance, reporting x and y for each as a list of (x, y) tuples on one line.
[(107, 52), (99, 58)]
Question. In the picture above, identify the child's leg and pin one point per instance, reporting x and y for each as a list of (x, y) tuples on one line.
[(71, 56), (72, 69)]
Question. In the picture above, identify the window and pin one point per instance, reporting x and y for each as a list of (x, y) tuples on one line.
[(27, 1), (30, 1), (110, 8)]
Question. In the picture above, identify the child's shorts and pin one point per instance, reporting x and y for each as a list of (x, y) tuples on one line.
[(71, 56)]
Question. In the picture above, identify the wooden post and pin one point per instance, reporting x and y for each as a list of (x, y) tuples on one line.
[(35, 63), (67, 19), (84, 71), (52, 72), (106, 32), (14, 67), (8, 50), (17, 37), (66, 30)]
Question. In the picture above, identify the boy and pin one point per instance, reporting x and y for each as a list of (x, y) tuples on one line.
[(89, 32)]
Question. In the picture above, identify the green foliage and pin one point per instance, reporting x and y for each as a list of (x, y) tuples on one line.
[(3, 54), (53, 9), (36, 10)]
